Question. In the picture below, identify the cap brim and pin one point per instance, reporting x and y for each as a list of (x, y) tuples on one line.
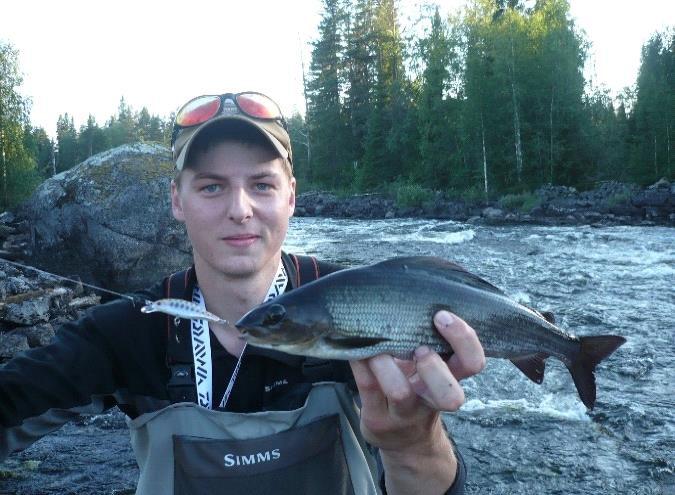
[(190, 134)]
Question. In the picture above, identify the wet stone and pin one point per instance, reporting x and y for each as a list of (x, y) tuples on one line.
[(16, 285), (28, 312), (12, 343)]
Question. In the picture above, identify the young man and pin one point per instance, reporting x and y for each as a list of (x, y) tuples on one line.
[(209, 414)]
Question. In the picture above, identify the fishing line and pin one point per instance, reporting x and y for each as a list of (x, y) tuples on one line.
[(133, 299)]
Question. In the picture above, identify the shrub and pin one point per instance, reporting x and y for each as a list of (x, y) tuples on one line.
[(524, 202), (412, 195)]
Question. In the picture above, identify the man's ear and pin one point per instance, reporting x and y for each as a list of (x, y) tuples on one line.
[(291, 198), (176, 204)]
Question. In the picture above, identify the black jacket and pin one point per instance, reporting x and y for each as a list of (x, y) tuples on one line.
[(117, 356)]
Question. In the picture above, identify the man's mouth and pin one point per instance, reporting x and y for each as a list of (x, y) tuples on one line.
[(241, 240)]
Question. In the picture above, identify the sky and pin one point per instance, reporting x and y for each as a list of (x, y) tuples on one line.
[(83, 56)]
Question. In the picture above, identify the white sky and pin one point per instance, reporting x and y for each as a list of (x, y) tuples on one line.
[(82, 56)]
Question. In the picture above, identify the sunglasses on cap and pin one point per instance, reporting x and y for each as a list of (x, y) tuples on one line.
[(203, 108)]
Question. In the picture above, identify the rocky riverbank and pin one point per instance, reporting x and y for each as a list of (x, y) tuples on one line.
[(609, 203)]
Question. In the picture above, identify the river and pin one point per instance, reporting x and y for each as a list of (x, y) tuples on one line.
[(517, 437)]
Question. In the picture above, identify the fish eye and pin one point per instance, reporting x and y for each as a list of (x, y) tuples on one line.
[(275, 313)]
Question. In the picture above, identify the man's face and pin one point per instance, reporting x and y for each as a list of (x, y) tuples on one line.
[(235, 200)]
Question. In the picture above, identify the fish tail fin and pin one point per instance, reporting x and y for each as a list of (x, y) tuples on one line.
[(593, 350)]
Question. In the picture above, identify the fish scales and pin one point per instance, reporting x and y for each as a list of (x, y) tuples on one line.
[(388, 307)]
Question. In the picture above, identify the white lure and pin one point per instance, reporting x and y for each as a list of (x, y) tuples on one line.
[(180, 308)]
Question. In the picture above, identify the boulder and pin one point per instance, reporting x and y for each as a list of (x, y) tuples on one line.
[(11, 344), (493, 214), (27, 312), (109, 220)]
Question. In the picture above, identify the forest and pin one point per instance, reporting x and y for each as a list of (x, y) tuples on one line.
[(489, 101)]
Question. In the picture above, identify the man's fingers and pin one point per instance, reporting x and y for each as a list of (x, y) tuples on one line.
[(468, 357), (370, 394), (393, 382), (441, 388)]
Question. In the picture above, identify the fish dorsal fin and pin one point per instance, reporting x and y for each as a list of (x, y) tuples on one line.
[(532, 366), (352, 342), (435, 266), (548, 316)]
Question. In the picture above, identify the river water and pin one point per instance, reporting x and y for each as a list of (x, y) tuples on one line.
[(517, 437)]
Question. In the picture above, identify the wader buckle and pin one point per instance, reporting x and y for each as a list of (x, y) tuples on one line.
[(181, 386)]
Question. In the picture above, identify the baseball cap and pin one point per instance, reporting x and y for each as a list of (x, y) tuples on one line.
[(250, 108)]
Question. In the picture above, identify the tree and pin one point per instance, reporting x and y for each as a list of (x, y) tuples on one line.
[(438, 134), (90, 140), (360, 67), (654, 108), (18, 173), (326, 119), (66, 137), (391, 138)]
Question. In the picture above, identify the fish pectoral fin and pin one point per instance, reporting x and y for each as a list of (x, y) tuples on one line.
[(532, 366), (353, 342)]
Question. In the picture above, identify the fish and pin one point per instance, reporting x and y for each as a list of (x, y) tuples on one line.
[(180, 308), (388, 307)]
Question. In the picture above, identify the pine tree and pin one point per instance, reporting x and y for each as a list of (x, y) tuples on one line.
[(326, 121)]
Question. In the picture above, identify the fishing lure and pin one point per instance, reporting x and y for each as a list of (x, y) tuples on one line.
[(179, 308)]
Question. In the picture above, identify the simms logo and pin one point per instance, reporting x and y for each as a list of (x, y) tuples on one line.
[(231, 460)]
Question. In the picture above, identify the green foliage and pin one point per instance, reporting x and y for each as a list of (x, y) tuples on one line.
[(409, 194), (471, 195), (19, 143), (21, 180), (651, 142), (491, 99), (524, 202)]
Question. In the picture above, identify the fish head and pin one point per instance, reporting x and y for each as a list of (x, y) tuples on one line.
[(284, 327)]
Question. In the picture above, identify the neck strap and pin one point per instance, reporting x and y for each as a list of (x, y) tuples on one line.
[(201, 345)]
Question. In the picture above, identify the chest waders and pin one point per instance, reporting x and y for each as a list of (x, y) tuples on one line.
[(314, 449), (186, 449)]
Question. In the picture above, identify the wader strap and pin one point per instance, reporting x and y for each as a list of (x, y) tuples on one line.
[(307, 269), (181, 386)]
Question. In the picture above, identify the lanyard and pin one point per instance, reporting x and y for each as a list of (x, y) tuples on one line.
[(201, 345)]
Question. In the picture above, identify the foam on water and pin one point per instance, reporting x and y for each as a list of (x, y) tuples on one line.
[(567, 408), (431, 236), (521, 297)]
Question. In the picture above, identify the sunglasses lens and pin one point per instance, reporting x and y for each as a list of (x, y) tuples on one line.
[(259, 106), (198, 111)]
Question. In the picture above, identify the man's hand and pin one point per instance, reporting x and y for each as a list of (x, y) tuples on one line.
[(401, 404)]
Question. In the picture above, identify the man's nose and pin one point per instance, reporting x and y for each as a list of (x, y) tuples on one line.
[(240, 208)]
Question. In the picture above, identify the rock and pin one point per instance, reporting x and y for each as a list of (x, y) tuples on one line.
[(109, 219), (7, 217), (6, 230), (491, 213), (11, 344), (28, 312), (37, 335), (15, 285)]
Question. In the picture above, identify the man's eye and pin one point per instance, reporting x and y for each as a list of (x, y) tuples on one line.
[(261, 186), (211, 188)]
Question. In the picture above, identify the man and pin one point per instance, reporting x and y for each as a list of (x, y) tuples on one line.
[(260, 413)]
